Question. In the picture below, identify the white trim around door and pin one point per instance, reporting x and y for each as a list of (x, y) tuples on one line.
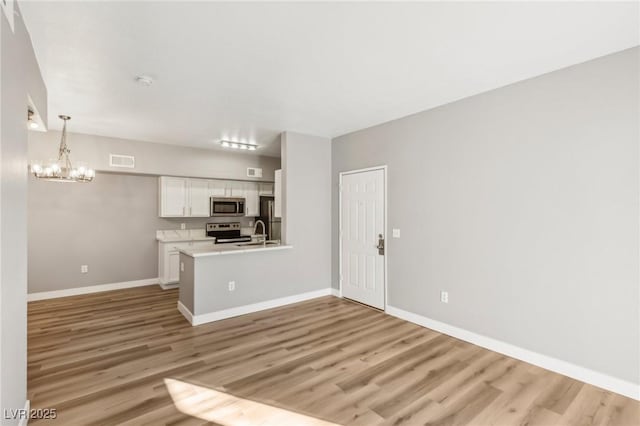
[(384, 168)]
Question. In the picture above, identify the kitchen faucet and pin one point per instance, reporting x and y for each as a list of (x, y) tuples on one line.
[(264, 230)]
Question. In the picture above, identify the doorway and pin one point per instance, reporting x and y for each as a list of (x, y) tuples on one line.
[(363, 211)]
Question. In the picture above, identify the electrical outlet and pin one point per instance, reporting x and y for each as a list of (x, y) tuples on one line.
[(396, 233), (181, 266), (444, 296), (183, 226), (84, 269), (232, 285)]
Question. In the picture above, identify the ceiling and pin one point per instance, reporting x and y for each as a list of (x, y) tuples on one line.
[(248, 71)]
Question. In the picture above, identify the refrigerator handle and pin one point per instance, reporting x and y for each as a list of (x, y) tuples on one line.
[(270, 210)]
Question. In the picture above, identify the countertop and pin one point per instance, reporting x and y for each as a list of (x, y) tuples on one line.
[(184, 240), (182, 235), (224, 249)]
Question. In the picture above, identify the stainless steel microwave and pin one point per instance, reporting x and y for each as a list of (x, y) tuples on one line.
[(227, 206)]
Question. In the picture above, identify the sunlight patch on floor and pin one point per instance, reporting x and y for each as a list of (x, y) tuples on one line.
[(229, 410)]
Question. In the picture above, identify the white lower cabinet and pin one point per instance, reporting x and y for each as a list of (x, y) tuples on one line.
[(169, 258), (173, 264)]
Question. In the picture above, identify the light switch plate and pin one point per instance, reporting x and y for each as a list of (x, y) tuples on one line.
[(396, 233)]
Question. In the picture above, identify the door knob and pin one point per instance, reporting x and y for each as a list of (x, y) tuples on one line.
[(380, 245)]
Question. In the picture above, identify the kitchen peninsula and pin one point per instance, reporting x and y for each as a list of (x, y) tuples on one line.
[(226, 280)]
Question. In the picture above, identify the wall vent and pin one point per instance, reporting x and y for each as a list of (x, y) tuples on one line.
[(122, 161), (254, 172)]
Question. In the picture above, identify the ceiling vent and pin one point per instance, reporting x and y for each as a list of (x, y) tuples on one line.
[(254, 172), (122, 161)]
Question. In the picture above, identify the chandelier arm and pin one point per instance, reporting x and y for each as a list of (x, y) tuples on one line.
[(63, 141), (68, 163)]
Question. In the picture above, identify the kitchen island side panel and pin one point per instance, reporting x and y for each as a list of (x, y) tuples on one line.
[(257, 277), (187, 277)]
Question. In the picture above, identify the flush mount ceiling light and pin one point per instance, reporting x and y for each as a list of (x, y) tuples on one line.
[(238, 145), (61, 170), (32, 123), (144, 80)]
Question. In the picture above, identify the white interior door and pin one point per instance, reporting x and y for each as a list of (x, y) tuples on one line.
[(362, 213)]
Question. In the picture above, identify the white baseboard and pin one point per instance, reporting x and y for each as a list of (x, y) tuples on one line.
[(335, 292), (613, 384), (168, 286), (247, 309), (185, 312), (25, 420), (90, 289)]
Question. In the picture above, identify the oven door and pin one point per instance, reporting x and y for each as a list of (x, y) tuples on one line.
[(227, 206)]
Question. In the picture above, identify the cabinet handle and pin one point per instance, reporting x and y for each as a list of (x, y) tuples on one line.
[(183, 211), (189, 211)]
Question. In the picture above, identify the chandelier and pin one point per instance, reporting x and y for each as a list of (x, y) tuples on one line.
[(61, 170)]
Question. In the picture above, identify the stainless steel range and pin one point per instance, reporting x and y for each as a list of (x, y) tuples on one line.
[(226, 232)]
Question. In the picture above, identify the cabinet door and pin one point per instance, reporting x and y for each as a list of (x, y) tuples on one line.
[(198, 198), (173, 197), (253, 200), (217, 188), (237, 189), (277, 195), (162, 259), (174, 266), (266, 189)]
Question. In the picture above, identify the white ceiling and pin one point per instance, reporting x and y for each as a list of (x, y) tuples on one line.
[(248, 71)]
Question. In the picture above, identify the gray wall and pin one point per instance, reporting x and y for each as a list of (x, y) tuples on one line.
[(264, 276), (523, 203), (19, 78), (152, 158), (109, 225)]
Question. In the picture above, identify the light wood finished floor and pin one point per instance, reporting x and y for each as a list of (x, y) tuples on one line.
[(128, 357)]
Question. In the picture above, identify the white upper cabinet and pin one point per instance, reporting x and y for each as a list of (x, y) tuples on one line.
[(265, 188), (173, 197), (236, 189), (198, 198), (186, 197), (218, 188), (252, 199), (226, 188)]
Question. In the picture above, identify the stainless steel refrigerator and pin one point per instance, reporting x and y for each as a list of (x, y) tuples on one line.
[(273, 224)]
